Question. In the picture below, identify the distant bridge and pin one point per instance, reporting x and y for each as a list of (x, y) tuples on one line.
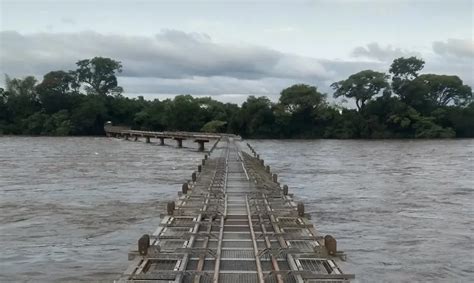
[(198, 137)]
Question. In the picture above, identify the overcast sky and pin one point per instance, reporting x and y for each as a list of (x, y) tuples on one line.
[(231, 49)]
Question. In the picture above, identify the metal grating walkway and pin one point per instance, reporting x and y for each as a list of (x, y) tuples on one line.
[(234, 223)]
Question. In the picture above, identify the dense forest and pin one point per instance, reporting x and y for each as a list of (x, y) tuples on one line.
[(402, 103)]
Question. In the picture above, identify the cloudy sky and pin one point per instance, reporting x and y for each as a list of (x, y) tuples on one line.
[(231, 49)]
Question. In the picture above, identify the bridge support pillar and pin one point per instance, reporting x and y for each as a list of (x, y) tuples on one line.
[(201, 143), (179, 141), (162, 141), (201, 146), (147, 139)]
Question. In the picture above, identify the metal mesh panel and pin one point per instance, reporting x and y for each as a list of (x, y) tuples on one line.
[(302, 245), (161, 265), (192, 265), (175, 231), (236, 229), (237, 244), (238, 278), (246, 265), (171, 245), (237, 236), (313, 265), (209, 264), (237, 222), (238, 254), (182, 220)]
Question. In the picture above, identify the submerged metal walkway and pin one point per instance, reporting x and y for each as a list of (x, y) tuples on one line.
[(235, 223)]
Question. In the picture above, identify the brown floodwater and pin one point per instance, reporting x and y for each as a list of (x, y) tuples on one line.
[(72, 208)]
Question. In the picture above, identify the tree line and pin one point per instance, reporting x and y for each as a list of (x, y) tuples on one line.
[(399, 104)]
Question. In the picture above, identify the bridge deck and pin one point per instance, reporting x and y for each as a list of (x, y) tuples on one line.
[(126, 131), (234, 224)]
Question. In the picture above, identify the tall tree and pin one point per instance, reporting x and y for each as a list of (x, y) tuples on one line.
[(22, 87), (301, 97), (406, 68), (21, 97), (257, 118), (362, 87), (404, 71), (183, 112), (54, 91), (301, 105), (442, 90), (3, 109), (99, 75)]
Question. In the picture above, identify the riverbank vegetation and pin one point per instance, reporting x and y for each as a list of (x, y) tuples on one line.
[(402, 103)]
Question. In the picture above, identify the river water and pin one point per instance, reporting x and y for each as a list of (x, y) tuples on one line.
[(71, 208)]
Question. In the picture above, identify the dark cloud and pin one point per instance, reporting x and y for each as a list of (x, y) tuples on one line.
[(170, 54), (384, 54), (174, 62), (460, 48), (208, 85)]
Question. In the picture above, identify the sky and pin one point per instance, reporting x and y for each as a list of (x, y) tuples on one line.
[(232, 49)]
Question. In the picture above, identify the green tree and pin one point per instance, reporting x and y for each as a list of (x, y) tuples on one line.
[(58, 124), (183, 112), (362, 87), (34, 124), (461, 119), (232, 112), (299, 112), (123, 109), (55, 90), (214, 126), (257, 118), (406, 69), (442, 90), (426, 106), (20, 100), (99, 75), (153, 116), (301, 97), (89, 116)]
